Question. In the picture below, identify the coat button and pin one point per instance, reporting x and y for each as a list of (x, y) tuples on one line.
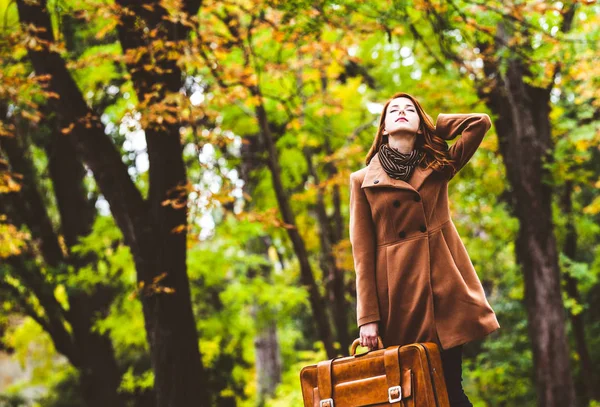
[(417, 198), (402, 234), (376, 181), (422, 228), (396, 203)]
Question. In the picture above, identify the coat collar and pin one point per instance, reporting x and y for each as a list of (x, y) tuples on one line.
[(376, 172)]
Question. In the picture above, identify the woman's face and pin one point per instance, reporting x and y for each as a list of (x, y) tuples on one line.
[(401, 117)]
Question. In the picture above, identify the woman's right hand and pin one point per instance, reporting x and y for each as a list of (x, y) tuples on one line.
[(368, 335)]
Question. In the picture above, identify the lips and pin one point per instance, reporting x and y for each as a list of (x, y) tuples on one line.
[(401, 118)]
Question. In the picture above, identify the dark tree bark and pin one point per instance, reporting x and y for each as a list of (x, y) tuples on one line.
[(89, 352), (155, 232), (333, 228), (168, 181), (334, 225), (536, 244), (306, 273), (334, 277), (523, 128), (577, 321)]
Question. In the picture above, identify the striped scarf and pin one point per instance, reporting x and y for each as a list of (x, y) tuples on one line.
[(399, 165)]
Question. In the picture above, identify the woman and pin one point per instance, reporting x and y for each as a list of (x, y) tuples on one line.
[(415, 281)]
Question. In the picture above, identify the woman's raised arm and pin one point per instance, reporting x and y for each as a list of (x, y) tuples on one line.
[(472, 126)]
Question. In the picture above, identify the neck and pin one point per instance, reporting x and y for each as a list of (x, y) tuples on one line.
[(404, 143)]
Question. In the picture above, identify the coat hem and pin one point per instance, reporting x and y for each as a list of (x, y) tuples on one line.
[(463, 339)]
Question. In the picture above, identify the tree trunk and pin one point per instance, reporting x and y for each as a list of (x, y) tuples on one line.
[(99, 377), (174, 341), (155, 231), (577, 321), (268, 362), (306, 273), (333, 276), (266, 344), (99, 373), (523, 129), (89, 352), (333, 227)]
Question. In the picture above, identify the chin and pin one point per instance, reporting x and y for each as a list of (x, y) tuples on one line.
[(403, 130)]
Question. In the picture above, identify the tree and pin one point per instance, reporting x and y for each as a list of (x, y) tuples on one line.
[(153, 228)]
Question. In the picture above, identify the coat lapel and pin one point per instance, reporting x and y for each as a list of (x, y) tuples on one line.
[(375, 172)]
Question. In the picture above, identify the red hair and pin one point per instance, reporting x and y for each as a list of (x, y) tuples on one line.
[(435, 148)]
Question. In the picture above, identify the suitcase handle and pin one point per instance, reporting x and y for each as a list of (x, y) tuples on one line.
[(357, 342)]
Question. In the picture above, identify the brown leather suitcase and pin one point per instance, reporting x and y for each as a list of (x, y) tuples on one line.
[(403, 376)]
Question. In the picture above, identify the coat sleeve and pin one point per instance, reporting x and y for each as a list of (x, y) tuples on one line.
[(472, 126), (363, 241)]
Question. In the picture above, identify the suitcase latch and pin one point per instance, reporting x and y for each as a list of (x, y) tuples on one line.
[(394, 394), (326, 403)]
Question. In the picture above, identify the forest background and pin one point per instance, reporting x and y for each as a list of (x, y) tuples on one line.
[(174, 191)]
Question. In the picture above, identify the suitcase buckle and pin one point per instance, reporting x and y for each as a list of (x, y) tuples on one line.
[(394, 394), (326, 403)]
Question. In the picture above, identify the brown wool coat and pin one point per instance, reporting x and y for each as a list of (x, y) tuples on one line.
[(413, 273)]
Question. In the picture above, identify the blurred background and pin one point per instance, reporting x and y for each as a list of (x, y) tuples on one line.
[(174, 191)]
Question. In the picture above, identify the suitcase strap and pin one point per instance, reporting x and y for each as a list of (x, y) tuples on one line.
[(324, 383), (391, 359)]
